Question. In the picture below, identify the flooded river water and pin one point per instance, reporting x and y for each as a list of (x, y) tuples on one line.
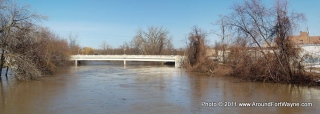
[(109, 88)]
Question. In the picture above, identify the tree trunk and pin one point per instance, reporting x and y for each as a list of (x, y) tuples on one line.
[(7, 72), (1, 62)]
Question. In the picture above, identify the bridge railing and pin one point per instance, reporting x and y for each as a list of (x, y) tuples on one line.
[(160, 58), (126, 56), (131, 55)]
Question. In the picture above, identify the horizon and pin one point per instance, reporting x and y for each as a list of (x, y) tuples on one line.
[(117, 21)]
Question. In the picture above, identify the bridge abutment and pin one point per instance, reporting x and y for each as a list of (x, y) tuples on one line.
[(177, 61)]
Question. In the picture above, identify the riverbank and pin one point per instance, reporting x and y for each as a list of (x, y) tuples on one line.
[(311, 78)]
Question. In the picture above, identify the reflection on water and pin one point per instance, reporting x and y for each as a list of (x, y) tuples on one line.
[(101, 87)]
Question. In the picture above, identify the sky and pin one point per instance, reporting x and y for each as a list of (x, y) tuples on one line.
[(117, 21)]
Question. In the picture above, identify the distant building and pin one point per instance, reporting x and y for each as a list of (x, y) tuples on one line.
[(304, 38), (310, 48), (210, 52), (311, 53)]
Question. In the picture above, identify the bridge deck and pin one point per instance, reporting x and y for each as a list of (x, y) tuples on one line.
[(159, 58)]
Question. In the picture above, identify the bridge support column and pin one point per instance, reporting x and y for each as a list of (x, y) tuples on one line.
[(76, 63), (177, 61), (124, 62)]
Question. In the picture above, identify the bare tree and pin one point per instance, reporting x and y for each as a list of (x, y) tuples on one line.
[(261, 25), (74, 44), (196, 46), (197, 59), (224, 36), (13, 18), (40, 48), (105, 48), (30, 51), (154, 41)]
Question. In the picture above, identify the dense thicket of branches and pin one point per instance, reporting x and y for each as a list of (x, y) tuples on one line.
[(28, 50), (46, 49), (196, 58), (196, 46), (154, 41), (259, 25)]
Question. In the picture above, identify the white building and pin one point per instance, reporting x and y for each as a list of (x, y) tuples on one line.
[(311, 53)]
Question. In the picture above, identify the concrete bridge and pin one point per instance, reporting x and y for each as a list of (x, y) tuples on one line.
[(155, 58)]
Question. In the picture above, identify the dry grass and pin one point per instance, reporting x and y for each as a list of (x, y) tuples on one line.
[(204, 65), (248, 67), (222, 70)]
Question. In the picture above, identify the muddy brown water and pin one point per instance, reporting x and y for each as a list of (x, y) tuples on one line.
[(110, 88)]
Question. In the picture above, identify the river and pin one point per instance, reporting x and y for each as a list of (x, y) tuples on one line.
[(111, 88)]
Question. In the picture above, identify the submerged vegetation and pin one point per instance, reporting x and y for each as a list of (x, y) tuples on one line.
[(29, 50)]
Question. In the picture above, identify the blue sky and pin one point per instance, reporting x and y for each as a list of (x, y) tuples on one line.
[(116, 21)]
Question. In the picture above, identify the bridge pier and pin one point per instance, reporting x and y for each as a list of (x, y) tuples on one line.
[(76, 63), (124, 62), (177, 61)]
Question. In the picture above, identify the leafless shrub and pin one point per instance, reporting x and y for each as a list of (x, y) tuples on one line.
[(197, 59), (13, 18), (23, 68), (257, 25)]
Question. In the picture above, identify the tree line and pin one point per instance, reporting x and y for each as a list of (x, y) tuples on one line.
[(153, 41)]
